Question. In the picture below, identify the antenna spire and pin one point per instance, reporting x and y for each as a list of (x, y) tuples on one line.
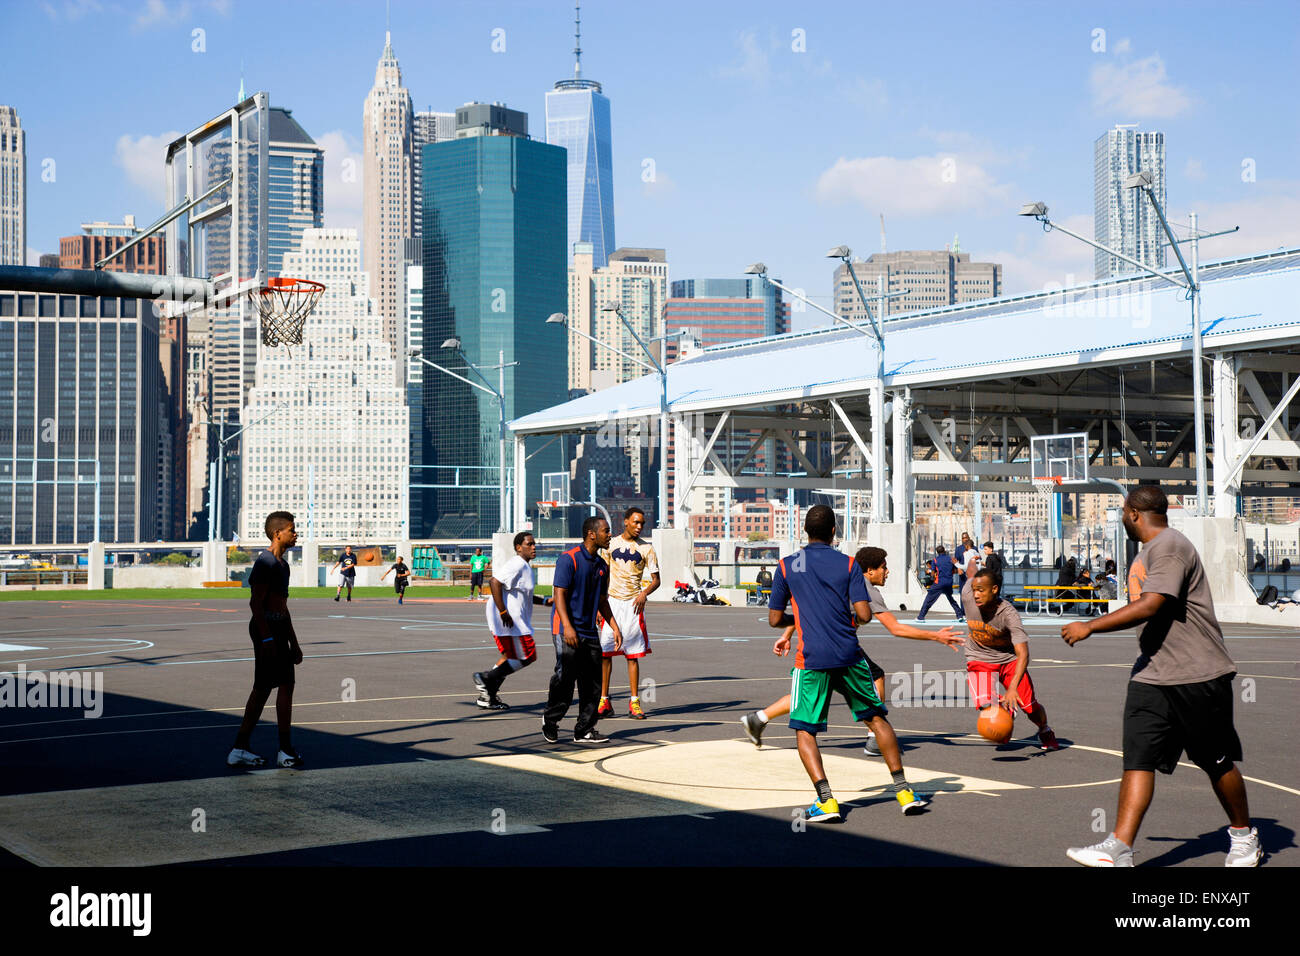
[(577, 39)]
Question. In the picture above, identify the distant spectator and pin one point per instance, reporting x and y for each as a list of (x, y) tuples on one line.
[(942, 568)]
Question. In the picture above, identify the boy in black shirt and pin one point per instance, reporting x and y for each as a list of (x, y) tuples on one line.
[(348, 561), (275, 646), (401, 579)]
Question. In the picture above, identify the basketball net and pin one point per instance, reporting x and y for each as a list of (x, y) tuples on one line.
[(284, 305), (544, 509), (1047, 486)]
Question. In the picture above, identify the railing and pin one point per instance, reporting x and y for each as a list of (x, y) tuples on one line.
[(35, 578)]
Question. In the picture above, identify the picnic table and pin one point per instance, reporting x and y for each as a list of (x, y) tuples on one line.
[(1044, 599)]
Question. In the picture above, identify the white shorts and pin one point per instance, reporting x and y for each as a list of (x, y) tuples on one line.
[(636, 640)]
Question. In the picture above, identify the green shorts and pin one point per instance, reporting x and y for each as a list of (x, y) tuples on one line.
[(810, 695)]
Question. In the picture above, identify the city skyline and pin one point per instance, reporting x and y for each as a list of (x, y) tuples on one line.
[(676, 166)]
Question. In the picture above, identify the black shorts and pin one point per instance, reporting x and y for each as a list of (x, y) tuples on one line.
[(272, 660), (877, 673), (1163, 720), (476, 579), (399, 585)]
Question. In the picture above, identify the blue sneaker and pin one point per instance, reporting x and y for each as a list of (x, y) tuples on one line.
[(823, 812)]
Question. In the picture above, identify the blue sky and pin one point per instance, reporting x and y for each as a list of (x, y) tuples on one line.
[(774, 130)]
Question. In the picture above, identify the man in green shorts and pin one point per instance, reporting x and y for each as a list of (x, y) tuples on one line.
[(829, 597)]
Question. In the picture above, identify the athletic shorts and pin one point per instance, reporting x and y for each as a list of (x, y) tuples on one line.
[(519, 647), (1163, 720), (810, 695), (877, 672), (399, 585), (476, 579), (636, 639), (982, 679), (272, 660)]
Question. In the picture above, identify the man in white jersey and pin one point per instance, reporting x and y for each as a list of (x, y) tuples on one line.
[(630, 561), (510, 618)]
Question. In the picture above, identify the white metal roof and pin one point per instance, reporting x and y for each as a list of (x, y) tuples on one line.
[(1245, 303)]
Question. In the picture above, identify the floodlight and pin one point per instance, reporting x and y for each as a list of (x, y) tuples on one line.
[(757, 269), (557, 318), (1138, 179), (1033, 209), (839, 252), (452, 343)]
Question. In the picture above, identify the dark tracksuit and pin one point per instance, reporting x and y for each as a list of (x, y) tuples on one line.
[(943, 571), (586, 578)]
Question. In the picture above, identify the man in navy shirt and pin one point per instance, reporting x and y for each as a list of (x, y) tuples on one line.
[(943, 572), (830, 598), (581, 599)]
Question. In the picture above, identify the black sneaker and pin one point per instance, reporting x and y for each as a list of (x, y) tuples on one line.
[(336, 597), (551, 733), (491, 703), (592, 736)]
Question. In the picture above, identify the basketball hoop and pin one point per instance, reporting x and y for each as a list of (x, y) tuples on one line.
[(284, 305), (544, 509), (1047, 485)]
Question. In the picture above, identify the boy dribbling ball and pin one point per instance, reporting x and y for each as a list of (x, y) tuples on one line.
[(997, 648)]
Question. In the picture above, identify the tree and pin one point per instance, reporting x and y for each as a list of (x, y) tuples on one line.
[(177, 558), (756, 536)]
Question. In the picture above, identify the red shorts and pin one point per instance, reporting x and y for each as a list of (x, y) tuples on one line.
[(983, 686), (517, 647)]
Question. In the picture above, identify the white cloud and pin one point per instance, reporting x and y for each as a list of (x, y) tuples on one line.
[(343, 171), (1123, 46), (754, 65), (1267, 217), (921, 185), (1041, 260), (71, 9), (1136, 89), (142, 159)]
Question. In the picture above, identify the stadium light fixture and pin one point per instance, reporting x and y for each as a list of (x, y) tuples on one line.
[(452, 343), (557, 318), (1035, 209), (757, 269)]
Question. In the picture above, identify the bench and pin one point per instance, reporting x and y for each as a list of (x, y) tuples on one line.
[(1044, 598), (223, 584)]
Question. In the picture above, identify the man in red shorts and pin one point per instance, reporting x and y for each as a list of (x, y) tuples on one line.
[(510, 617)]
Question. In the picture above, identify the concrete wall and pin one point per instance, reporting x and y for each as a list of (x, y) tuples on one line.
[(157, 576)]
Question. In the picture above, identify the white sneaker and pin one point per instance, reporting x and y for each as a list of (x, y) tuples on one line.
[(1108, 853), (244, 758), (289, 761), (1244, 849), (871, 749)]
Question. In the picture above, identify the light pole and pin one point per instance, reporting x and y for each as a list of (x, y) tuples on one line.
[(874, 333), (1190, 280), (503, 516), (559, 318)]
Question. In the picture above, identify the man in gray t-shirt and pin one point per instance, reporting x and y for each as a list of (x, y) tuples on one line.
[(1180, 689)]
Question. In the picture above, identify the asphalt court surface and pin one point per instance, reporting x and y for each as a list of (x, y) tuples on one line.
[(410, 771)]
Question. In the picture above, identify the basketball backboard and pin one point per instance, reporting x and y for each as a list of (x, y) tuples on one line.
[(223, 238), (1059, 456), (555, 487)]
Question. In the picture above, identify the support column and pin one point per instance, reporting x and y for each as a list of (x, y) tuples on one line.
[(682, 441), (1227, 444), (902, 470), (95, 566), (521, 483), (880, 473), (307, 574), (214, 561)]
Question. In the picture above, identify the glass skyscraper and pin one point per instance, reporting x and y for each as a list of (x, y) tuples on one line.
[(295, 187), (577, 118), (1124, 219), (495, 266)]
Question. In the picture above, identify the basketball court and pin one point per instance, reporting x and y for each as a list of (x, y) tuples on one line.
[(408, 770)]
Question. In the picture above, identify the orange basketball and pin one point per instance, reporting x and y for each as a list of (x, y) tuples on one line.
[(995, 724)]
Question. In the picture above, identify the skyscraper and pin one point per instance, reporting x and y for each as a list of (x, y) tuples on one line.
[(637, 279), (427, 127), (13, 189), (577, 118), (328, 430), (1124, 218), (494, 269), (91, 388), (388, 134), (99, 239), (295, 187)]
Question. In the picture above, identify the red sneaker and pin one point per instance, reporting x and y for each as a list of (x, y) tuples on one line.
[(634, 710), (605, 709), (1047, 740)]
